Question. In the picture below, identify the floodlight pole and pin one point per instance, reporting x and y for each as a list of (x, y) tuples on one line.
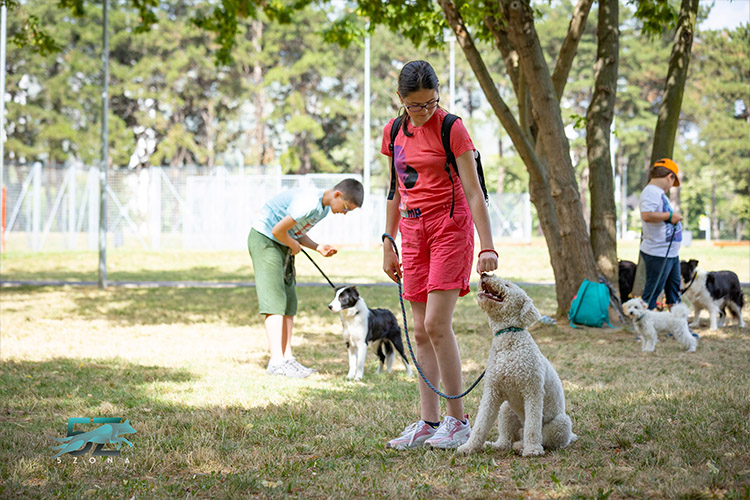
[(105, 154), (3, 30), (366, 126)]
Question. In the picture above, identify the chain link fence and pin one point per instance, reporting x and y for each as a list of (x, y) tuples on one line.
[(189, 208)]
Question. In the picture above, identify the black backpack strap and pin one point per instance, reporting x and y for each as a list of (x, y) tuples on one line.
[(394, 132), (480, 174), (450, 158)]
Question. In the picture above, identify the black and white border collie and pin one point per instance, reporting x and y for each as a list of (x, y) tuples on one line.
[(364, 327), (715, 291)]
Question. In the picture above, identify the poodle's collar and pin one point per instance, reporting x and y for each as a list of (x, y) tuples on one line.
[(640, 317), (509, 329)]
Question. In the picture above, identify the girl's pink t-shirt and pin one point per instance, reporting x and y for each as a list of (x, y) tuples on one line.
[(423, 183)]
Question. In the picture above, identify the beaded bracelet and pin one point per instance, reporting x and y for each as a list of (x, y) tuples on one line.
[(488, 250)]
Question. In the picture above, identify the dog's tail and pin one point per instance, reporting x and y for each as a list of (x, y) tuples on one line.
[(680, 310), (736, 295)]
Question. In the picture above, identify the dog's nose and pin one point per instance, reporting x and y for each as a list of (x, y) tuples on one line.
[(330, 307)]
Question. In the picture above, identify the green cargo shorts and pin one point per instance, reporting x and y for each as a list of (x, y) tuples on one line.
[(275, 282)]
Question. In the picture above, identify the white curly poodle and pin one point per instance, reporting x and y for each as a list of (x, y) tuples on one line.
[(520, 387), (648, 323)]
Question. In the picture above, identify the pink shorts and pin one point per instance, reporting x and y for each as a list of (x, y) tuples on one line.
[(437, 252)]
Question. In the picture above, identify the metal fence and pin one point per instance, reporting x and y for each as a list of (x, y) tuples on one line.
[(159, 208)]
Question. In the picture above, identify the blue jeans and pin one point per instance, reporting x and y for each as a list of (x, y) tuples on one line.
[(669, 281)]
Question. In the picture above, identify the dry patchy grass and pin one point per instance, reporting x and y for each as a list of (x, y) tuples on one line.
[(186, 366)]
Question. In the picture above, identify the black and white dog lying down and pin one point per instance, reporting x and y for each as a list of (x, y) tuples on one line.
[(363, 327), (715, 291)]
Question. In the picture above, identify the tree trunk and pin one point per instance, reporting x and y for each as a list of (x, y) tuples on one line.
[(575, 261), (669, 111), (553, 190), (598, 123), (570, 45)]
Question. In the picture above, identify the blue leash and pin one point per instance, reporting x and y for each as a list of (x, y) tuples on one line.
[(408, 342), (663, 267)]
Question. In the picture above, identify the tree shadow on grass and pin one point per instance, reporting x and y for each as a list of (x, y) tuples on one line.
[(181, 447), (324, 437)]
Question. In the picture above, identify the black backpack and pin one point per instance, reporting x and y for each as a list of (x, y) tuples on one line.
[(445, 134)]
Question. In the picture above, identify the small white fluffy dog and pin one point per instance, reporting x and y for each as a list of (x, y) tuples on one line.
[(648, 323), (520, 386)]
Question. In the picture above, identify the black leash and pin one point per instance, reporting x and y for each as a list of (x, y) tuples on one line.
[(408, 342), (695, 274), (319, 269)]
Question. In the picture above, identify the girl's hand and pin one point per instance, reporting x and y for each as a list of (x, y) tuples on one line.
[(326, 250), (391, 265), (486, 262)]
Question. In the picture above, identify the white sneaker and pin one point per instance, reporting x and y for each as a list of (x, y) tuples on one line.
[(452, 433), (413, 436), (300, 368), (287, 369)]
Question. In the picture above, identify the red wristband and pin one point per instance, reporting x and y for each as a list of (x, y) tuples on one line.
[(488, 250)]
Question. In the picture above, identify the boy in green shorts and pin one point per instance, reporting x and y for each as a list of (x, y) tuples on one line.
[(277, 236)]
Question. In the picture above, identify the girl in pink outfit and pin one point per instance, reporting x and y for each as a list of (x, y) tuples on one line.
[(436, 214)]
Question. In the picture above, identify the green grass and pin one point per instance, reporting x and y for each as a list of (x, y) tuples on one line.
[(186, 367)]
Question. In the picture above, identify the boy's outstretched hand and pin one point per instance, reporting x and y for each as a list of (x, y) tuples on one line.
[(326, 250)]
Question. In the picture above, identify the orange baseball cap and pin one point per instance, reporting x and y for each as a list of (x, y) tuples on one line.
[(671, 165)]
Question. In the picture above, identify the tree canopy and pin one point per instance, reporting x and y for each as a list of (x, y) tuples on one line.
[(194, 82)]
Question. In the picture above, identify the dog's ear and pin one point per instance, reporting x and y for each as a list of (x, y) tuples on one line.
[(529, 314)]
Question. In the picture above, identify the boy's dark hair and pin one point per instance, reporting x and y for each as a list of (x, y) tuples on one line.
[(415, 76), (352, 190), (658, 172)]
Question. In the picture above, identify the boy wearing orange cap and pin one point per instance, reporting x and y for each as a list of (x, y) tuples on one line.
[(662, 233)]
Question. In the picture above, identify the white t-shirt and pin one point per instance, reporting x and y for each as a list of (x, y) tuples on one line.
[(304, 205), (656, 235)]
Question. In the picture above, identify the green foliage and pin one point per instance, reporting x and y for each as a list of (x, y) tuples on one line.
[(656, 15), (36, 37), (420, 21), (716, 102)]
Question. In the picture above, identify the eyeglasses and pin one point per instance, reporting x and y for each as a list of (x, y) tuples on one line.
[(416, 108)]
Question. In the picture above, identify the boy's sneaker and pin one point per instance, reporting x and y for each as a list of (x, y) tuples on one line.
[(413, 436), (452, 433)]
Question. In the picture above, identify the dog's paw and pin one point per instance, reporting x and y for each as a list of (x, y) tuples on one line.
[(466, 448), (500, 444), (518, 446), (350, 376), (533, 451)]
